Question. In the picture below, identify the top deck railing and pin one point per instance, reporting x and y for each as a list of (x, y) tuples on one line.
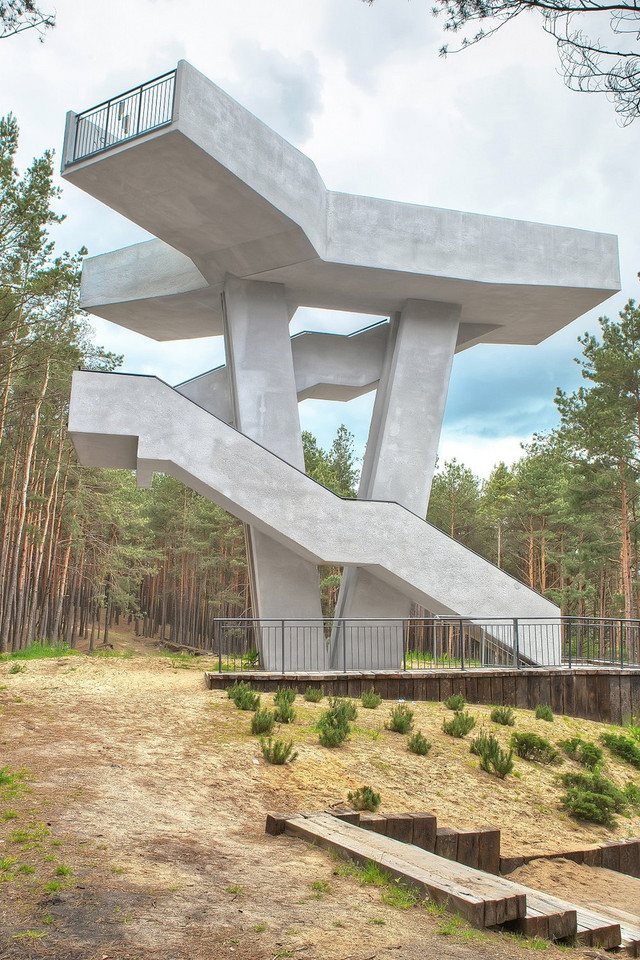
[(424, 643), (125, 117)]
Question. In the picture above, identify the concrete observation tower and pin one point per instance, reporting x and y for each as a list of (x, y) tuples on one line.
[(246, 233)]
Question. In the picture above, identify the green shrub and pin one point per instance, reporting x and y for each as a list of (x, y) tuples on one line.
[(583, 751), (17, 668), (364, 799), (544, 712), (262, 721), (346, 708), (623, 748), (314, 694), (401, 719), (591, 797), (333, 725), (419, 744), (245, 699), (455, 702), (493, 759), (236, 687), (282, 701), (285, 695), (632, 794), (503, 715), (370, 699), (634, 730), (460, 724), (530, 746), (251, 659), (278, 751)]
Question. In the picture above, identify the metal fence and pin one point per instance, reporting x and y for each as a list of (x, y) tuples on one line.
[(340, 645), (135, 112)]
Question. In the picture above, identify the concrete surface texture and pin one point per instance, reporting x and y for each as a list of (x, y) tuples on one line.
[(246, 232)]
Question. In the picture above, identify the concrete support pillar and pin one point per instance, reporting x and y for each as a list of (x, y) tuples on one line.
[(400, 462), (263, 389)]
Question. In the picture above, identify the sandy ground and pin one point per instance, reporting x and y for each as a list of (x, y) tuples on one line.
[(586, 886), (151, 795)]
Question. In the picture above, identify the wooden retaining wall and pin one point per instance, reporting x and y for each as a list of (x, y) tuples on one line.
[(608, 695)]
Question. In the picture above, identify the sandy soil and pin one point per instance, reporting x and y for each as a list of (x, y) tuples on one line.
[(153, 796), (586, 886)]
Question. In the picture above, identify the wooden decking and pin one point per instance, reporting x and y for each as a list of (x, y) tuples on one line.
[(483, 899)]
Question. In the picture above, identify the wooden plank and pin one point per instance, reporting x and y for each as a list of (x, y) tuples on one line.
[(373, 821), (445, 688), (580, 694), (400, 827), (604, 698), (420, 688), (276, 823), (483, 691), (489, 849), (509, 690), (523, 697), (502, 902), (611, 856), (556, 693), (569, 694), (629, 928), (593, 857), (432, 689), (424, 831), (447, 843), (467, 851), (472, 687), (470, 905), (614, 697), (625, 698), (348, 816), (630, 858), (509, 864)]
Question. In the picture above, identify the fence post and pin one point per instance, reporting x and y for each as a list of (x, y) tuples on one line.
[(622, 644), (516, 642), (282, 642), (570, 644), (461, 629), (217, 638)]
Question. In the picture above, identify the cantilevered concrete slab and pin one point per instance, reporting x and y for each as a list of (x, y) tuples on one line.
[(243, 220)]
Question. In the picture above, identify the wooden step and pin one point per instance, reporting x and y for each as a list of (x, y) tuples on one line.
[(483, 900), (629, 927), (545, 917)]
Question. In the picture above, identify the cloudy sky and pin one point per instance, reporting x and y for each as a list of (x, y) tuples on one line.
[(362, 91)]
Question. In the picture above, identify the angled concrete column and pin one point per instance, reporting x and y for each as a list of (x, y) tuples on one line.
[(265, 408), (399, 464)]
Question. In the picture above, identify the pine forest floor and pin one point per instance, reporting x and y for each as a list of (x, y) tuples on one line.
[(136, 830)]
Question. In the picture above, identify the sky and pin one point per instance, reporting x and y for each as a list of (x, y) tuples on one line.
[(361, 90)]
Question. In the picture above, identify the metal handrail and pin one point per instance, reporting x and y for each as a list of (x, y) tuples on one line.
[(125, 117)]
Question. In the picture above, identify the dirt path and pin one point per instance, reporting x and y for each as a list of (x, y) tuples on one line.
[(153, 798)]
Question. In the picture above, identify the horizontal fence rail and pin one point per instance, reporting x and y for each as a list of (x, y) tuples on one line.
[(421, 644), (129, 115)]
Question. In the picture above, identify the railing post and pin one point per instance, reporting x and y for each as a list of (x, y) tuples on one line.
[(622, 644), (516, 642), (217, 638), (570, 645), (106, 124), (139, 110), (282, 642), (404, 644), (344, 647), (461, 629)]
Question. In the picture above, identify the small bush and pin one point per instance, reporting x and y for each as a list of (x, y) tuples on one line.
[(251, 659), (544, 712), (504, 716), (364, 799), (460, 724), (623, 748), (314, 694), (591, 797), (346, 708), (583, 751), (236, 688), (370, 699), (634, 731), (401, 719), (333, 725), (530, 746), (282, 700), (246, 699), (17, 668), (262, 721), (419, 744), (632, 794), (455, 702), (278, 751), (493, 759)]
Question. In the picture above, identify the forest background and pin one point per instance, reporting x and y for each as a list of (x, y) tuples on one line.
[(81, 548)]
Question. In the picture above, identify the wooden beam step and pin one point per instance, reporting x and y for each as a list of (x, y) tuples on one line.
[(483, 900)]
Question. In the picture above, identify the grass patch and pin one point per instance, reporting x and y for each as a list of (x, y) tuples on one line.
[(41, 651)]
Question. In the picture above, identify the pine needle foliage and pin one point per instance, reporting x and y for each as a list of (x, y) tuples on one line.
[(460, 725)]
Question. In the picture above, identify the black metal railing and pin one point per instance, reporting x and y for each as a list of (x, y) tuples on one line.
[(422, 644), (129, 115)]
